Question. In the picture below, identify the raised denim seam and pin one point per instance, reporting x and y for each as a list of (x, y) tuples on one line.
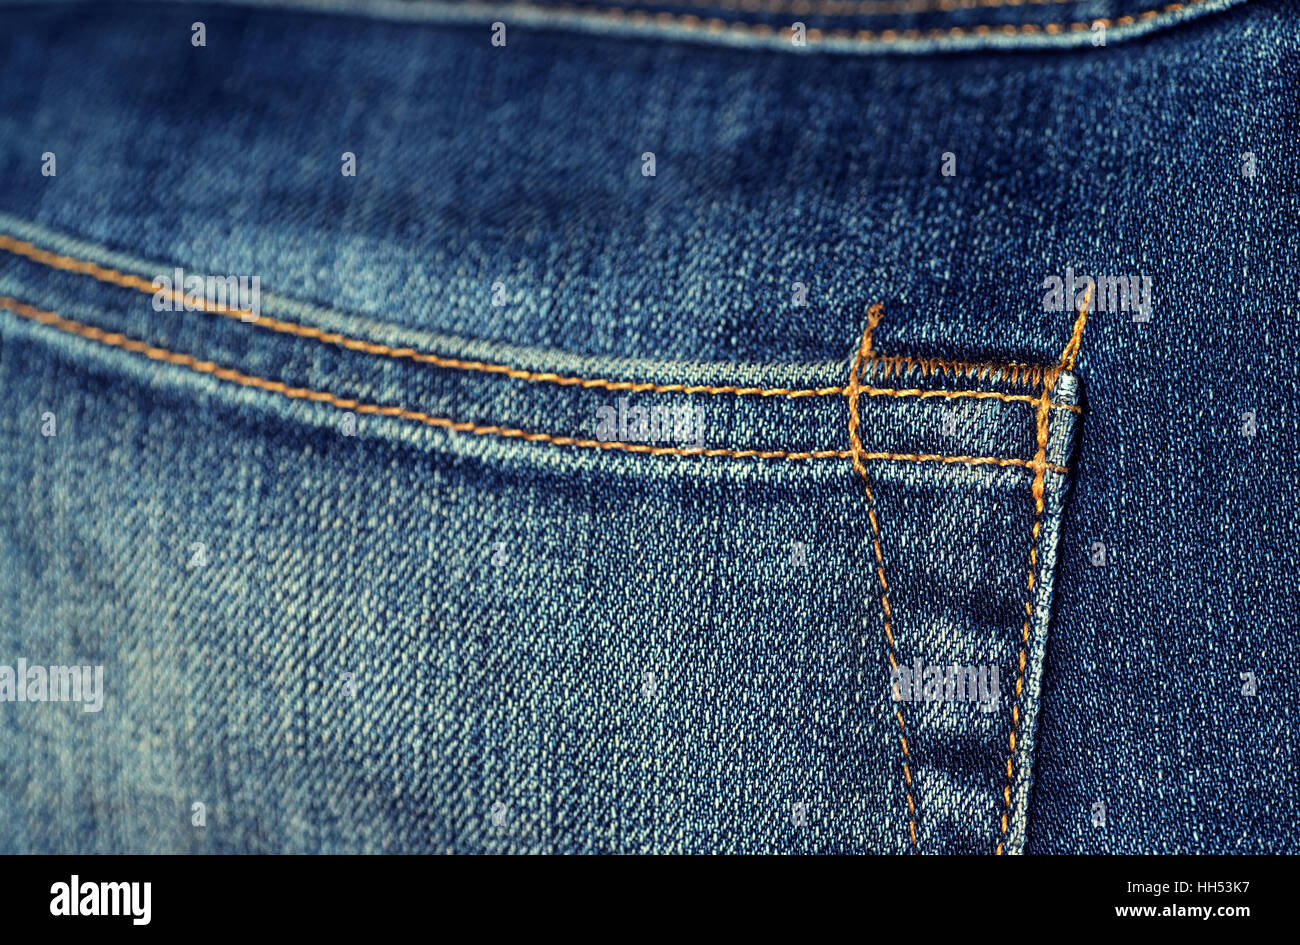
[(1042, 419), (1048, 378), (1014, 372), (232, 375), (717, 26), (892, 652)]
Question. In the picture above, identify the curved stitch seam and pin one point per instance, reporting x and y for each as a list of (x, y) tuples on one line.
[(126, 280), (717, 25), (855, 443), (118, 340)]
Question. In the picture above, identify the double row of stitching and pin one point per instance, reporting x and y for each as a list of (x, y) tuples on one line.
[(857, 454), (1042, 414), (231, 375), (717, 26), (1040, 465), (133, 281)]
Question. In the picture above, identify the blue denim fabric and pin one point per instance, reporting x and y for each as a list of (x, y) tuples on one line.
[(461, 625)]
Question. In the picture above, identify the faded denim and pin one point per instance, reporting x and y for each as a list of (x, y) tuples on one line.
[(435, 612)]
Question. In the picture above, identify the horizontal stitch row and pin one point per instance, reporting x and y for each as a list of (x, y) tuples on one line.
[(118, 340), (955, 394), (132, 281), (1012, 373), (849, 7), (1015, 373), (716, 25)]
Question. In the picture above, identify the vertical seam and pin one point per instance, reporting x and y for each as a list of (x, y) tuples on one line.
[(855, 443), (1039, 466), (1042, 416)]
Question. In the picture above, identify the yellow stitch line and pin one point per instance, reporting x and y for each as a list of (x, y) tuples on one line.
[(855, 443), (131, 281), (865, 349), (1038, 489), (957, 394), (128, 280), (1013, 372), (849, 7), (860, 37), (1042, 419), (1071, 351), (118, 340)]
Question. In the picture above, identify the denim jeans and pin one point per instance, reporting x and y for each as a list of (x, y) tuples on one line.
[(649, 435)]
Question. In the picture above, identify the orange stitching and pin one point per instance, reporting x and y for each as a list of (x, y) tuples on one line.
[(118, 340), (716, 25), (1040, 465), (867, 348), (130, 281), (1039, 462), (977, 394), (856, 443), (1014, 372), (849, 7), (1076, 337)]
